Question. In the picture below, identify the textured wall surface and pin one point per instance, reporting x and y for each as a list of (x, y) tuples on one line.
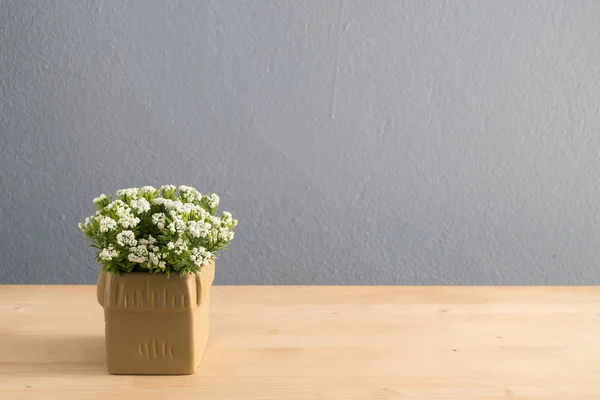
[(358, 142)]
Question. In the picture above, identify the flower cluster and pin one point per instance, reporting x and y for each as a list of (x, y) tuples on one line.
[(166, 230)]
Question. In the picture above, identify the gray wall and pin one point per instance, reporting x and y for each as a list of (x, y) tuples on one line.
[(382, 142)]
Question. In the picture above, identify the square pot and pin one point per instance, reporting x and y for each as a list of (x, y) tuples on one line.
[(155, 325)]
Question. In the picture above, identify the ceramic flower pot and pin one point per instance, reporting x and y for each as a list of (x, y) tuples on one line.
[(155, 325)]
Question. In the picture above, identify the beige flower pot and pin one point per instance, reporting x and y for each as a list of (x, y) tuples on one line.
[(155, 325)]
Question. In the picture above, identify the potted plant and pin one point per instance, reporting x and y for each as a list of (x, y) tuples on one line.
[(157, 249)]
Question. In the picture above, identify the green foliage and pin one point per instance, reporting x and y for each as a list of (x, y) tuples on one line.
[(166, 230)]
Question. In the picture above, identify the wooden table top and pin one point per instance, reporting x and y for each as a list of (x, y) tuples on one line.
[(322, 343)]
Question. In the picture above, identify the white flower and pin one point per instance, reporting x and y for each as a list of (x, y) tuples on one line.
[(151, 240), (108, 254), (107, 224), (223, 232), (178, 224), (86, 223), (123, 211), (100, 199), (153, 259), (194, 229), (140, 205), (175, 205), (213, 200), (126, 218), (138, 254), (131, 192), (129, 222), (200, 257), (188, 208), (198, 229), (159, 220), (228, 220), (126, 238), (202, 213), (115, 204), (189, 194), (147, 189), (180, 246), (168, 203), (230, 236), (167, 188)]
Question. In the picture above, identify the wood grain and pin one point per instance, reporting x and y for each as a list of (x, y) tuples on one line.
[(266, 342)]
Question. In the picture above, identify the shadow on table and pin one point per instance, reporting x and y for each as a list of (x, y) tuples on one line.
[(68, 354)]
